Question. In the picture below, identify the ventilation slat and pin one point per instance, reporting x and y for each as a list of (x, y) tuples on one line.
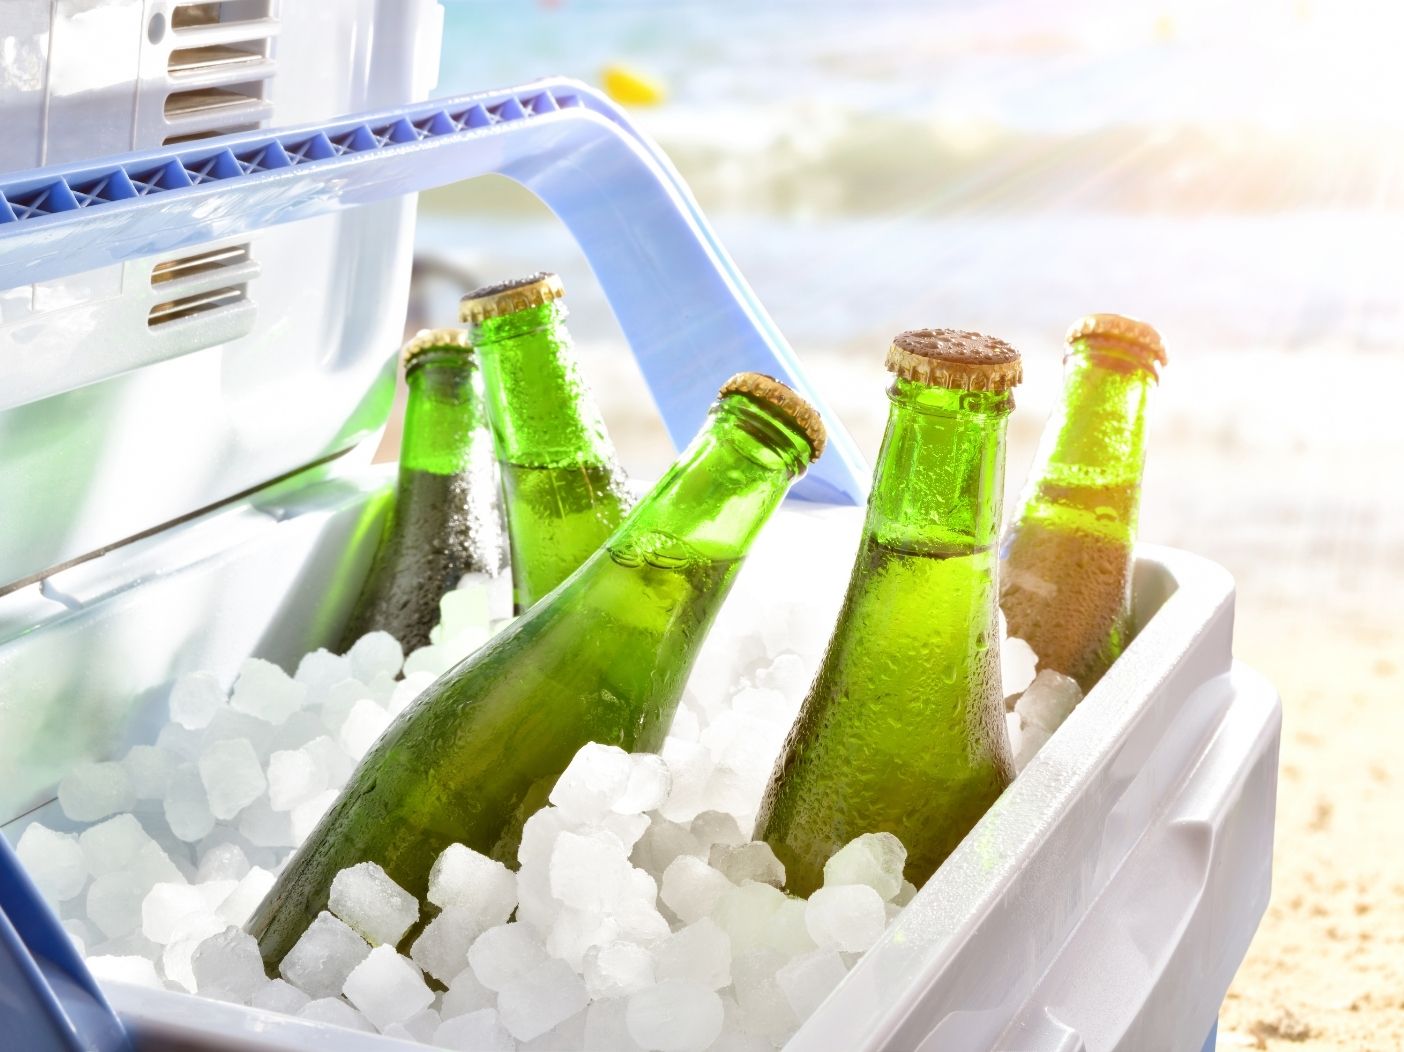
[(194, 305), (184, 267)]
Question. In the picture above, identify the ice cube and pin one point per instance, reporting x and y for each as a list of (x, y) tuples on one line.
[(787, 931), (606, 1027), (148, 769), (232, 776), (563, 1037), (663, 842), (691, 888), (431, 660), (293, 776), (1014, 733), (466, 880), (54, 861), (279, 995), (691, 767), (195, 699), (574, 932), (807, 980), (596, 778), (874, 859), (675, 1016), (1048, 701), (906, 895), (717, 827), (364, 725), (331, 759), (465, 994), (847, 917), (699, 953), (465, 608), (763, 1007), (686, 725), (648, 785), (228, 967), (186, 806), (319, 670), (366, 898), (214, 892), (304, 817), (113, 844), (323, 957), (442, 948), (376, 654), (626, 828), (238, 906), (181, 744), (165, 906), (536, 1000), (407, 691), (480, 1031), (262, 826), (539, 834), (95, 790), (588, 870), (223, 862), (503, 953), (1017, 662), (266, 691), (178, 958), (335, 1011), (788, 675), (114, 903), (617, 969), (137, 971), (419, 1027), (296, 731), (387, 988), (754, 861), (744, 913), (338, 702)]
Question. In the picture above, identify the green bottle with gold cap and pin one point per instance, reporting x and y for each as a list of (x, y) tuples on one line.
[(446, 520), (1066, 559), (604, 658), (564, 488), (902, 730)]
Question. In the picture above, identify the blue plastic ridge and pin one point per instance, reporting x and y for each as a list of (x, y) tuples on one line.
[(194, 166)]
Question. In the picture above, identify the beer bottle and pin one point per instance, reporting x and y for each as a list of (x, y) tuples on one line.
[(1065, 570), (902, 730), (446, 520), (565, 492), (603, 659)]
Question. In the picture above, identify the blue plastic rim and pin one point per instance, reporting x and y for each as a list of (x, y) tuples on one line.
[(689, 316)]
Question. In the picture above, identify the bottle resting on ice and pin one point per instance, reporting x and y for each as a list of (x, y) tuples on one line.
[(603, 659), (902, 730), (446, 519), (565, 491), (1066, 558)]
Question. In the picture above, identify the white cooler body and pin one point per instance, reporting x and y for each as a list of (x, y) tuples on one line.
[(1103, 903)]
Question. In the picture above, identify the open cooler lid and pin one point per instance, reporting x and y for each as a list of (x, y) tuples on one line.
[(689, 316)]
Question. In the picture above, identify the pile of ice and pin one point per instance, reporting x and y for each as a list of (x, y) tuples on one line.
[(641, 917)]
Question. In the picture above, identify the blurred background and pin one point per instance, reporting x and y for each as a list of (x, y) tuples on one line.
[(1230, 173)]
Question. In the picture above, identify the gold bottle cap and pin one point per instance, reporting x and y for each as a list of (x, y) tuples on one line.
[(962, 361), (1120, 333), (508, 297), (787, 401), (426, 340)]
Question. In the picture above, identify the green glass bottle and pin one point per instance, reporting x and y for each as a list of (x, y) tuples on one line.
[(565, 491), (603, 659), (447, 517), (1065, 561), (902, 730)]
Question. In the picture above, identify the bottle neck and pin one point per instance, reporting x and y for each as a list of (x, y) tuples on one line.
[(542, 413), (442, 415), (939, 481), (1095, 439), (712, 502)]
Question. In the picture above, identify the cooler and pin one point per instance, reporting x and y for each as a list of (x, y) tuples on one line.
[(196, 345)]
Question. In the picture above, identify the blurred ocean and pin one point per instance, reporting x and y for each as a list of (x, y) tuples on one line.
[(1232, 176)]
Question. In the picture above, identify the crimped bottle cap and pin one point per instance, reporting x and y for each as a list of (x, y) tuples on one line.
[(962, 361), (1120, 333), (508, 297), (426, 340), (790, 404)]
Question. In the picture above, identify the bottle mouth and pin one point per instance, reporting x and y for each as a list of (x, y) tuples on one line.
[(435, 341), (1118, 355), (510, 297), (783, 401)]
